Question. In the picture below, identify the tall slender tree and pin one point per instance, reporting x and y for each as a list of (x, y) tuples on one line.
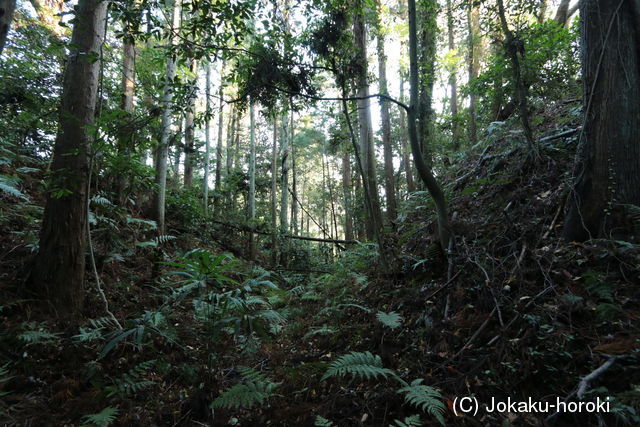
[(385, 120), (190, 127), (207, 138), (58, 270), (453, 80), (252, 181), (167, 98), (444, 229), (373, 221), (218, 179)]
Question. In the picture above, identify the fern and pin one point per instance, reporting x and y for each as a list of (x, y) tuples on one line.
[(101, 200), (365, 309), (129, 383), (103, 418), (392, 319), (322, 422), (425, 398), (256, 390), (36, 334), (146, 223), (157, 241), (323, 330), (4, 378), (9, 185), (360, 365), (412, 421)]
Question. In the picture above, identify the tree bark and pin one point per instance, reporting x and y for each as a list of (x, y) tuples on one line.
[(294, 179), (562, 13), (126, 132), (274, 193), (389, 185), (252, 182), (285, 156), (406, 160), (346, 189), (6, 15), (373, 221), (163, 148), (218, 182), (607, 173), (473, 64), (427, 33), (189, 131), (207, 139), (58, 270), (444, 229), (453, 82), (514, 48)]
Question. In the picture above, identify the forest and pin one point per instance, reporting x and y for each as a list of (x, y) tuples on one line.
[(320, 212)]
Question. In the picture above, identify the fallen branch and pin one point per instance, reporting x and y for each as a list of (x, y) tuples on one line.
[(287, 236), (584, 383), (560, 135)]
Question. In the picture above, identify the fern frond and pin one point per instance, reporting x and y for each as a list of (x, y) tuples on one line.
[(9, 186), (129, 384), (323, 330), (35, 334), (363, 308), (322, 422), (246, 395), (157, 241), (412, 421), (152, 225), (103, 418), (101, 200), (425, 398), (360, 365), (392, 319)]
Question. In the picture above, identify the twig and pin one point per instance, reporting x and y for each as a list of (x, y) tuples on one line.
[(474, 336)]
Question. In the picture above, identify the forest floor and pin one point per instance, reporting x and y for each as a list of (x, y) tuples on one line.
[(521, 315)]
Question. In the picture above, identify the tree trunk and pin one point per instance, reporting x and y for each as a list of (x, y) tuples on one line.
[(58, 270), (126, 131), (607, 174), (514, 48), (346, 189), (252, 181), (207, 139), (163, 148), (453, 82), (473, 64), (373, 221), (406, 161), (389, 185), (294, 179), (190, 127), (562, 13), (6, 15), (274, 193), (427, 33), (444, 229), (218, 182), (285, 154)]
